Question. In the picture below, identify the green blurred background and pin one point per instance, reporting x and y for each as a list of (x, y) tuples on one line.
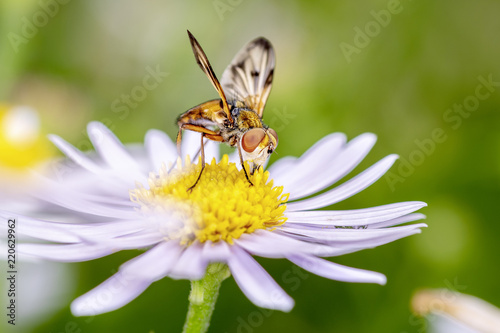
[(399, 78)]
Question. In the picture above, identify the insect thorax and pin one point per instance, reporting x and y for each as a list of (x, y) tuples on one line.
[(245, 119)]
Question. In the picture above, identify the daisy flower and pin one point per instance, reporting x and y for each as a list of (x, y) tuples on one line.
[(20, 141), (23, 147), (136, 197), (450, 311)]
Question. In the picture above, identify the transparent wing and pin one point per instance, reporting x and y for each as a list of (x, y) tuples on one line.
[(249, 77)]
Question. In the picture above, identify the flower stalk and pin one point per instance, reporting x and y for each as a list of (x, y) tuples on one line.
[(202, 298)]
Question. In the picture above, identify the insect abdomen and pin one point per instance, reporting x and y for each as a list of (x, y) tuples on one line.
[(206, 114)]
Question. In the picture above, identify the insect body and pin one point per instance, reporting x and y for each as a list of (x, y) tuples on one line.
[(236, 117)]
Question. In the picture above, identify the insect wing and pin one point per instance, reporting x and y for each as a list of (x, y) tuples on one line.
[(248, 78), (202, 60)]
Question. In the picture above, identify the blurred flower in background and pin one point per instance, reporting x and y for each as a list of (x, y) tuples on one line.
[(448, 311), (21, 145), (43, 288), (24, 149)]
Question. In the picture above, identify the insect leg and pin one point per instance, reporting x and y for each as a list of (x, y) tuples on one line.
[(195, 128), (243, 164), (178, 141), (205, 132), (195, 156), (214, 137), (202, 163)]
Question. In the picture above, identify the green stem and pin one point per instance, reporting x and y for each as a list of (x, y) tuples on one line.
[(202, 298)]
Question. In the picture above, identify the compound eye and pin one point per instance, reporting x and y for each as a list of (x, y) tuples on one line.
[(252, 138), (273, 133)]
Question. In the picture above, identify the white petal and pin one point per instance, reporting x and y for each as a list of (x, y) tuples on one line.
[(103, 230), (281, 244), (160, 149), (75, 232), (347, 189), (450, 311), (40, 229), (112, 151), (61, 196), (315, 157), (216, 252), (104, 199), (212, 151), (110, 295), (155, 263), (340, 234), (260, 245), (359, 238), (317, 177), (398, 220), (281, 166), (335, 271), (88, 199), (234, 157), (191, 144), (270, 244), (61, 171), (133, 241), (256, 283), (105, 186), (66, 253), (191, 265), (355, 217), (75, 155)]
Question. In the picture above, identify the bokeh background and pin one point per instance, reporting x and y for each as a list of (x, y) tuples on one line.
[(414, 72)]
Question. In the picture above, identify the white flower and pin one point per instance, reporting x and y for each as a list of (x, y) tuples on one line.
[(451, 311), (222, 220), (21, 148), (24, 147)]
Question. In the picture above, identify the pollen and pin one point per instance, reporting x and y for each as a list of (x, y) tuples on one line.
[(221, 207)]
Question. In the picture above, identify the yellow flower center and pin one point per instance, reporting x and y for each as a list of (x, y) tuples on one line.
[(221, 207), (21, 146)]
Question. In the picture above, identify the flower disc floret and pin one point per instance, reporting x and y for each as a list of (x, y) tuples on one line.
[(221, 207)]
